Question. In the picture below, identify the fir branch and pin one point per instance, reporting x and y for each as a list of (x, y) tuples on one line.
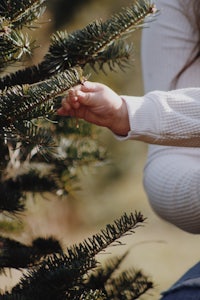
[(64, 124), (109, 236), (21, 104), (33, 181), (14, 254), (14, 15), (93, 295), (12, 297), (11, 199), (34, 139), (56, 278), (88, 44), (129, 285), (28, 102), (117, 55), (14, 46), (12, 190), (101, 277), (84, 46), (31, 137), (84, 150), (63, 276), (21, 13)]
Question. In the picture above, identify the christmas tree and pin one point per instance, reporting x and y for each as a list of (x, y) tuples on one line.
[(41, 152)]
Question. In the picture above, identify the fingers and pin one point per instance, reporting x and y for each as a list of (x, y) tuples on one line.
[(75, 98), (69, 104), (80, 95), (72, 99)]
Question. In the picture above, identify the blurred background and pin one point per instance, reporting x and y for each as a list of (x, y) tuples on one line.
[(162, 251)]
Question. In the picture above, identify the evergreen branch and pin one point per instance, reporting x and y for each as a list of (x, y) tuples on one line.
[(56, 278), (67, 123), (21, 105), (99, 242), (4, 155), (93, 295), (129, 285), (33, 139), (63, 275), (99, 279), (14, 46), (118, 54), (14, 254), (19, 13), (83, 46), (84, 150), (12, 297), (10, 198), (14, 15), (27, 102), (33, 181)]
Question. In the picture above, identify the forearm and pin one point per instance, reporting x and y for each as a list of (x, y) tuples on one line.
[(166, 118)]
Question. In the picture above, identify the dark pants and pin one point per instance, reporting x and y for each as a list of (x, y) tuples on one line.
[(186, 288)]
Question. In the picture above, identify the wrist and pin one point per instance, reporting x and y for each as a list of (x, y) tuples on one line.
[(121, 125)]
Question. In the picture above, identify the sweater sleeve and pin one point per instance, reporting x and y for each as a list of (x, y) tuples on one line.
[(165, 118)]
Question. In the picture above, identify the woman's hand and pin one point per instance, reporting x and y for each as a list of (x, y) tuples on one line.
[(98, 104)]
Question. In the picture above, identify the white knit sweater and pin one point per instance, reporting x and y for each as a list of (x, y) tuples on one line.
[(171, 174)]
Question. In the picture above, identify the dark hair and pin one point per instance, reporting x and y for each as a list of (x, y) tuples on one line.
[(195, 54), (196, 9)]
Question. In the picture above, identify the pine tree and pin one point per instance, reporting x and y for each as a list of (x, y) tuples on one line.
[(33, 139)]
